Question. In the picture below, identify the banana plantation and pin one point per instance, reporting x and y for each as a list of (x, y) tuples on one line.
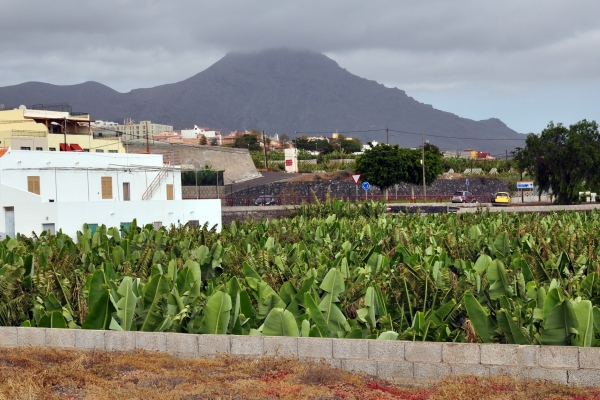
[(332, 270)]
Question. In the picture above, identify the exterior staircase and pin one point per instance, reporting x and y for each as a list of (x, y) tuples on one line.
[(155, 184)]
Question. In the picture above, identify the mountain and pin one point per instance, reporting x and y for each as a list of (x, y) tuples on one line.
[(278, 91)]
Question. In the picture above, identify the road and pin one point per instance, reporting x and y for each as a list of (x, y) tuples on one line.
[(267, 177)]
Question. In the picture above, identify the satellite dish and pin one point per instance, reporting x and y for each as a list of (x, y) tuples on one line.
[(22, 107)]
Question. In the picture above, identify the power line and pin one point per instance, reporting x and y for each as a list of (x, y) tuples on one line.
[(451, 137), (329, 132), (387, 130)]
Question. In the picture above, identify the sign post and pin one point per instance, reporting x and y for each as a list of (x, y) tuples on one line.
[(524, 185), (467, 183), (366, 187), (356, 178)]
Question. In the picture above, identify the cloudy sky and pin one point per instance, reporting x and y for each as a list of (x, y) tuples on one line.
[(525, 62)]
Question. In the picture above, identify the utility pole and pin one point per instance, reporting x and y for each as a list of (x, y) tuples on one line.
[(147, 139), (387, 136), (423, 162), (265, 146)]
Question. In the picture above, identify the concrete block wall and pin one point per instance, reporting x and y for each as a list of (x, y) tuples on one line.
[(202, 192), (392, 360)]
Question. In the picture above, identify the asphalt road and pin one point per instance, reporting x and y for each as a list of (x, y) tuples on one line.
[(267, 177)]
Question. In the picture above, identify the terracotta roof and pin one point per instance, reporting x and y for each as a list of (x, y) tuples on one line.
[(3, 151)]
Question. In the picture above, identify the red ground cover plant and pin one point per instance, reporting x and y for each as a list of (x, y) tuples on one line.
[(30, 373)]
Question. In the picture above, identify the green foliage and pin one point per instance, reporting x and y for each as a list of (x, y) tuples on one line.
[(563, 160), (384, 165), (249, 141), (202, 177), (333, 270)]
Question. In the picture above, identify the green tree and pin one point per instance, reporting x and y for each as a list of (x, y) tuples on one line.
[(247, 141), (202, 140), (413, 169), (385, 165), (564, 160), (351, 146), (381, 166)]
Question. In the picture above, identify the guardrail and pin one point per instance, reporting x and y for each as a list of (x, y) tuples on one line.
[(258, 200)]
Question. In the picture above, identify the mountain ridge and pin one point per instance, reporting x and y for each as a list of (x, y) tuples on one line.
[(279, 91)]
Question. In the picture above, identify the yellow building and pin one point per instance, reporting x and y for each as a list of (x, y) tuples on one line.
[(44, 130)]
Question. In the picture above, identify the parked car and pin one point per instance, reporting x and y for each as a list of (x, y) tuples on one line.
[(264, 200), (463, 197), (501, 198)]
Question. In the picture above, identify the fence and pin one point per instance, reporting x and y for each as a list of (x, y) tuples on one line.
[(388, 359), (282, 200)]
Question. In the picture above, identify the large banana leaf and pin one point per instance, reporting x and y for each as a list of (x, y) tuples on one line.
[(334, 317), (126, 304), (54, 320), (151, 315), (315, 314), (585, 320), (511, 330), (333, 282), (100, 315), (498, 278), (502, 245), (217, 313), (560, 321), (280, 322), (482, 322)]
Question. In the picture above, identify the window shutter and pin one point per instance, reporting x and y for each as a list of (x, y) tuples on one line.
[(170, 192), (33, 184), (107, 187)]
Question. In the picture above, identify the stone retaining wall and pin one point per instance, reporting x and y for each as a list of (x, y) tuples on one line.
[(348, 188), (393, 360)]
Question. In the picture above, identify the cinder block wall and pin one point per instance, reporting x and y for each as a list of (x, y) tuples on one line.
[(202, 192), (393, 360)]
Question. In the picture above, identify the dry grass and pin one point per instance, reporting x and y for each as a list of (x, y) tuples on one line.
[(29, 373)]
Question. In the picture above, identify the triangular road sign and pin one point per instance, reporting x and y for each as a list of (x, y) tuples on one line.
[(356, 178)]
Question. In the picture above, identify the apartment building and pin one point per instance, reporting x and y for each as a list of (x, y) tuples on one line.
[(137, 131), (50, 130)]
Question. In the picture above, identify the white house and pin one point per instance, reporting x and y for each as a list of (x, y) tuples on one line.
[(197, 131), (46, 190)]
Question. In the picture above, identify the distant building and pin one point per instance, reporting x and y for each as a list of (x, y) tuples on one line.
[(370, 145), (132, 131), (42, 129), (213, 137), (475, 154)]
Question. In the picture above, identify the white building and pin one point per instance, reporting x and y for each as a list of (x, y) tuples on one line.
[(46, 190), (132, 131), (197, 131), (369, 145)]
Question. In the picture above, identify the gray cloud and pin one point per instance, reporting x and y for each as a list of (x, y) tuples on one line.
[(429, 47)]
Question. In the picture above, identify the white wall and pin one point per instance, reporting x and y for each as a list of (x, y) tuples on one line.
[(70, 217), (77, 196), (84, 181)]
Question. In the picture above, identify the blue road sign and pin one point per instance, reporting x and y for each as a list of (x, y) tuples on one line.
[(467, 182), (366, 185)]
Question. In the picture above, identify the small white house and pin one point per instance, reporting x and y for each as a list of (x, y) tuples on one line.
[(48, 190), (197, 131)]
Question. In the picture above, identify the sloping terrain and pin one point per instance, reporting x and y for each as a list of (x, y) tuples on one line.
[(279, 91)]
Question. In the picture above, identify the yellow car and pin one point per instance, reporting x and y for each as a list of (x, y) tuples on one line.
[(501, 198)]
